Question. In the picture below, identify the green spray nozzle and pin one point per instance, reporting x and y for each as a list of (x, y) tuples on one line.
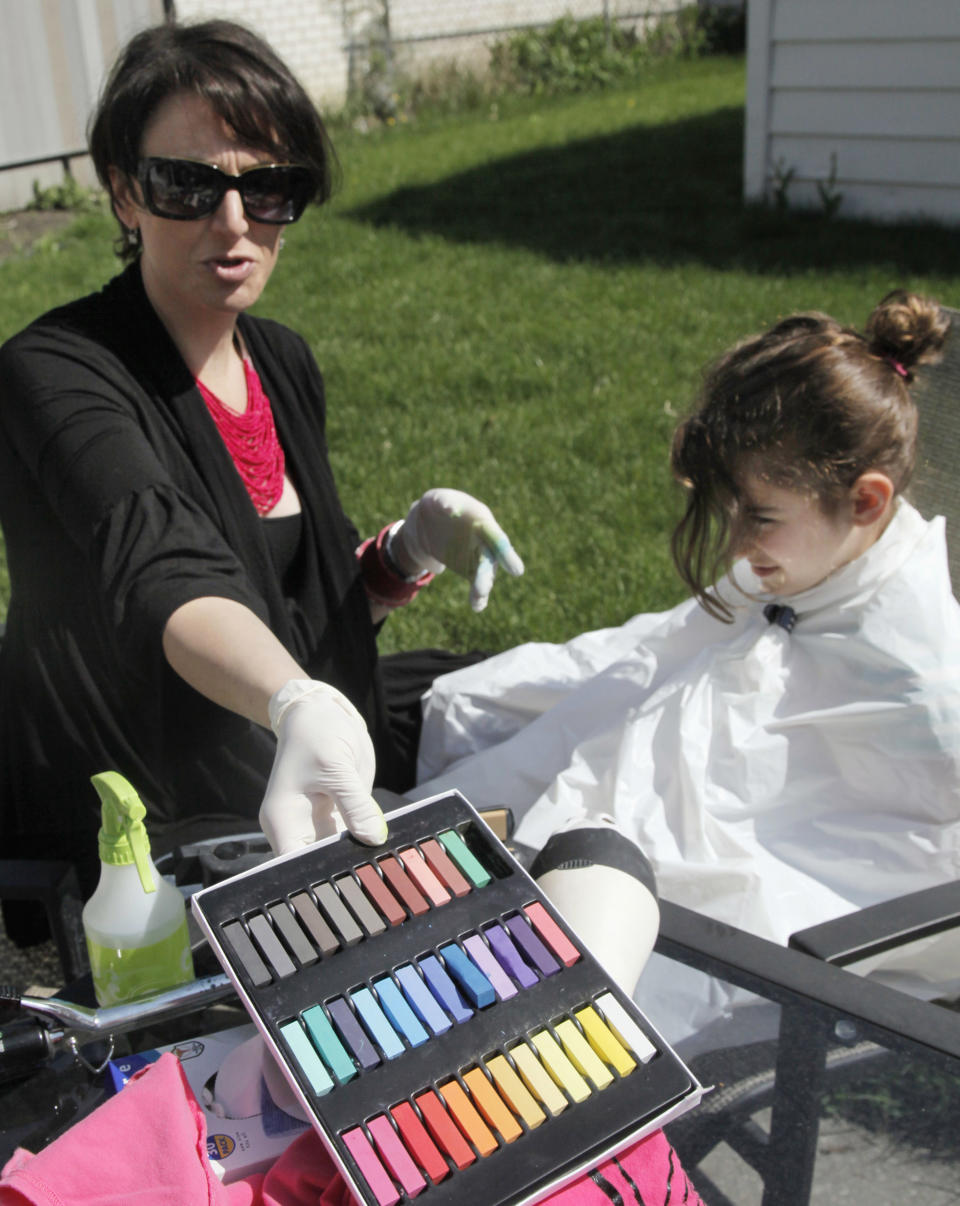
[(123, 837)]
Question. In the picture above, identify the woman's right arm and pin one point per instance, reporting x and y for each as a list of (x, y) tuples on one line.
[(170, 585), (324, 765), (227, 653)]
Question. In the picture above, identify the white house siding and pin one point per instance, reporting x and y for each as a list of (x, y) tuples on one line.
[(872, 87), (53, 55)]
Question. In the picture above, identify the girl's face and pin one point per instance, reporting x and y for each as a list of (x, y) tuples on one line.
[(789, 540), (219, 263)]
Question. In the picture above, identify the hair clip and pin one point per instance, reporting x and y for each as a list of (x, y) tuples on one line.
[(897, 367)]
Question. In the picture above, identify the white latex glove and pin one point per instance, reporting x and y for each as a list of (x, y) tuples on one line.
[(323, 770), (450, 529)]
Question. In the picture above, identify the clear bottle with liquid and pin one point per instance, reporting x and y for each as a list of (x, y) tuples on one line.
[(135, 922)]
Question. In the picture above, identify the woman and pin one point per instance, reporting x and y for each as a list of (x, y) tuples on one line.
[(183, 575)]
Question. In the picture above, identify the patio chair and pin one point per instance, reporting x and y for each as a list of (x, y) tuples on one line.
[(834, 1027)]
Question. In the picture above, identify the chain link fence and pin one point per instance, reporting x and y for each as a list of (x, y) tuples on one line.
[(392, 39)]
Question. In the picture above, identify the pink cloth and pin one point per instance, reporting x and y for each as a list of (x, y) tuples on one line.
[(147, 1147), (646, 1174)]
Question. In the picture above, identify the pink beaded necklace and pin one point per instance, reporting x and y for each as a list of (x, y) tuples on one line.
[(251, 440)]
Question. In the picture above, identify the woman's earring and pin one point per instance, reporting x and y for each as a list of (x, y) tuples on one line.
[(282, 243)]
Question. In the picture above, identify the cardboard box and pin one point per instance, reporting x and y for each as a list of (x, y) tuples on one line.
[(246, 1132)]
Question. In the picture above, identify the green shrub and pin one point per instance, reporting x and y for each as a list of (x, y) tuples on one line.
[(677, 35), (68, 194), (576, 56), (449, 88), (567, 56)]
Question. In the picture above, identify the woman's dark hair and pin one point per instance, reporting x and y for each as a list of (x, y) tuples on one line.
[(242, 79), (821, 402)]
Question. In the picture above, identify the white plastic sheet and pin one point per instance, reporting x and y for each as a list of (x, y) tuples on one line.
[(774, 779)]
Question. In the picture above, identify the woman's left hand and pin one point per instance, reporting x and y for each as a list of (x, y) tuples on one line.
[(451, 529)]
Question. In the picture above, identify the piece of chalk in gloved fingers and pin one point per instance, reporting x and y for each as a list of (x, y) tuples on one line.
[(482, 583)]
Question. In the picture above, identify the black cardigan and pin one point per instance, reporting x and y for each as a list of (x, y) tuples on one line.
[(119, 502)]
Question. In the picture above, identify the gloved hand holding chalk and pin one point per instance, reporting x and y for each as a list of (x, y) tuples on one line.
[(450, 529), (322, 774)]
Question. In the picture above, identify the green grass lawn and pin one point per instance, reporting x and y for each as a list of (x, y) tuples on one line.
[(519, 303)]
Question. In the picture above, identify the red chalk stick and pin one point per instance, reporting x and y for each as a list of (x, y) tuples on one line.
[(444, 1130), (424, 1150), (552, 934)]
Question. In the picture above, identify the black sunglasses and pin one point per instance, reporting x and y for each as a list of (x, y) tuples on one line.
[(185, 190)]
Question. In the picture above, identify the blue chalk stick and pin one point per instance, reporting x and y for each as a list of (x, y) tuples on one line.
[(397, 1009), (444, 989), (375, 1020), (422, 1000), (475, 985)]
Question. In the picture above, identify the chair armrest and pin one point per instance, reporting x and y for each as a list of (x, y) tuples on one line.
[(794, 978), (882, 927), (55, 885)]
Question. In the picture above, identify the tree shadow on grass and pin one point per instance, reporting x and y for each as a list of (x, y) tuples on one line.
[(664, 194)]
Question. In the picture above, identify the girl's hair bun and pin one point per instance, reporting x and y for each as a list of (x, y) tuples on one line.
[(908, 328)]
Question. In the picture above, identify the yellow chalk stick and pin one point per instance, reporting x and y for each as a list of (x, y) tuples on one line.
[(602, 1039), (582, 1055), (559, 1067), (537, 1079)]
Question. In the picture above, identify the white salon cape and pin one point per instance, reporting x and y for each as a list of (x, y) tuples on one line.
[(775, 779)]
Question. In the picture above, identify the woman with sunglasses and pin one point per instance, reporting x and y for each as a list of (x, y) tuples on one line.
[(184, 577)]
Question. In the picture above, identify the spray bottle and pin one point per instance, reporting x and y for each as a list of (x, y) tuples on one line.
[(135, 922)]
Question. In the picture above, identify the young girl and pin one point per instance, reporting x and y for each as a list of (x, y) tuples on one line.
[(785, 745)]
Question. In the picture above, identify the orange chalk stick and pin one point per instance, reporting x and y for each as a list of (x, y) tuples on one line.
[(469, 1121), (491, 1105)]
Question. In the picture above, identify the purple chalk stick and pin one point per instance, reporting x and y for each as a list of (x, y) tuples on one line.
[(485, 959), (508, 955), (526, 938)]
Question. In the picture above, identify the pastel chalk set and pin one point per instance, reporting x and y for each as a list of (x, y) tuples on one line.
[(444, 1029)]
